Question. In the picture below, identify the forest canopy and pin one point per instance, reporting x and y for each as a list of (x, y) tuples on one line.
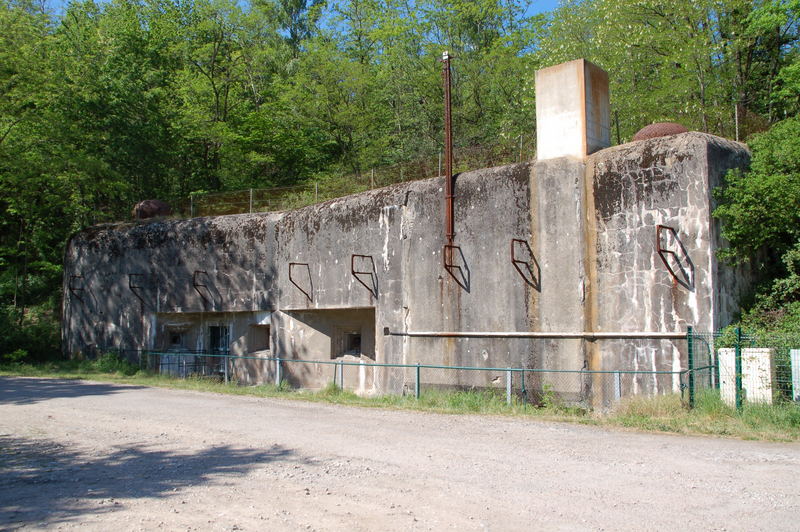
[(103, 104)]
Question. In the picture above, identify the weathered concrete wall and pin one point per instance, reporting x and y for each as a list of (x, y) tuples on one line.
[(492, 207), (560, 210), (585, 235), (635, 188), (124, 283), (215, 271), (400, 228)]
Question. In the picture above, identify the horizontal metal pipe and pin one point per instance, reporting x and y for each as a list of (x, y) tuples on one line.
[(574, 334)]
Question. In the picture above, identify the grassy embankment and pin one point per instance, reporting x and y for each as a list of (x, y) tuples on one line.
[(780, 422)]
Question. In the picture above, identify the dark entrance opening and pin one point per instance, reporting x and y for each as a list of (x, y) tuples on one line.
[(218, 339)]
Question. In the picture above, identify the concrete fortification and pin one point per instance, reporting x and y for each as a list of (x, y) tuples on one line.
[(549, 257)]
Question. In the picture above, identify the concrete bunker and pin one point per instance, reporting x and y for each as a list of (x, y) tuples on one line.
[(589, 259)]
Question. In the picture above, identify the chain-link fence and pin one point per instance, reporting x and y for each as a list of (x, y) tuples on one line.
[(292, 197), (737, 367), (703, 372), (745, 367), (179, 364), (541, 387)]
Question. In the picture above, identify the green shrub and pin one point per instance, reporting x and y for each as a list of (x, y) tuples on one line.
[(113, 363), (30, 337), (15, 357)]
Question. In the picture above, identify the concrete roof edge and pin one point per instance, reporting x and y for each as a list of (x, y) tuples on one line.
[(682, 138), (393, 191)]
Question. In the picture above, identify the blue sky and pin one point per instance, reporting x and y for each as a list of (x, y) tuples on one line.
[(539, 6), (542, 6)]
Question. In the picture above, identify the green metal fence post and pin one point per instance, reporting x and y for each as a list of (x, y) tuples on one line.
[(710, 362), (416, 382), (715, 361), (690, 342), (738, 368), (225, 360), (524, 391)]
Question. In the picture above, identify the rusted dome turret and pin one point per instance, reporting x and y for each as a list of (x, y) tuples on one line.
[(659, 129)]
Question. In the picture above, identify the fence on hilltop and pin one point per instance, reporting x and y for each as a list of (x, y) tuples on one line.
[(292, 197)]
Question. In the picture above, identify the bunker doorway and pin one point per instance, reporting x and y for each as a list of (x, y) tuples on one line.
[(218, 348), (218, 339)]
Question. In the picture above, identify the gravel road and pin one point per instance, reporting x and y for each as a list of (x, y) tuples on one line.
[(106, 457)]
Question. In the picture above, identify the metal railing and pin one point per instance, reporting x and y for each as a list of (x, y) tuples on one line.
[(746, 367), (519, 385), (737, 367)]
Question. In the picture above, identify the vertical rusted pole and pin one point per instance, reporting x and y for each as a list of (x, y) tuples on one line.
[(449, 226)]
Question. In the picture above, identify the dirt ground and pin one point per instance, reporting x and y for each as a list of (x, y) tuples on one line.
[(108, 457)]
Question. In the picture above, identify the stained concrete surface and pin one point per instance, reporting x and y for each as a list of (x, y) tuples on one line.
[(105, 457), (592, 230)]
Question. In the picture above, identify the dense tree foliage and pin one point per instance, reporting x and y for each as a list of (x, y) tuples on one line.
[(693, 61), (110, 103), (760, 209)]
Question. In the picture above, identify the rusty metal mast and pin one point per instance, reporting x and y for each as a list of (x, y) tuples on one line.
[(449, 223)]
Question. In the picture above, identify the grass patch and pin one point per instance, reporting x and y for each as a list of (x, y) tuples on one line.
[(664, 413), (711, 416), (108, 366)]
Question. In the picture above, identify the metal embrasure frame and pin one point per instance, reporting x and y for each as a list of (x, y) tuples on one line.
[(292, 265), (76, 291), (372, 275), (197, 285), (531, 278), (688, 277), (134, 287)]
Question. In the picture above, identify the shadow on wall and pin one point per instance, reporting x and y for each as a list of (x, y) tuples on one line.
[(26, 391), (252, 372), (294, 374), (207, 289), (326, 336), (362, 267), (45, 482), (456, 265), (122, 273), (525, 263)]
